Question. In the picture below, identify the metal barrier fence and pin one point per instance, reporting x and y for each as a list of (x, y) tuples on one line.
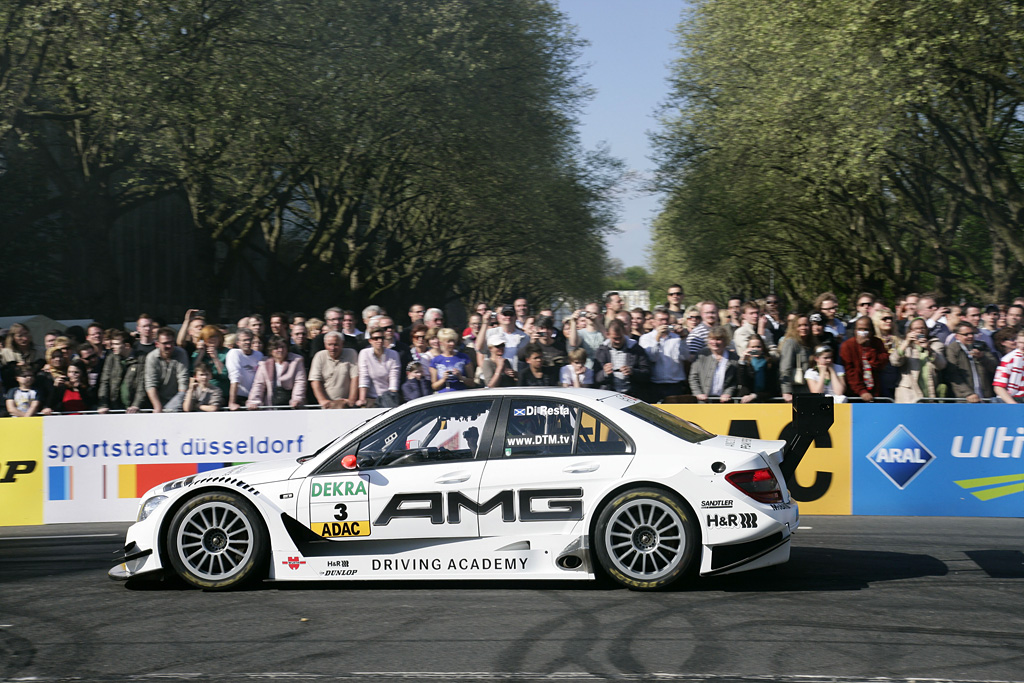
[(680, 399)]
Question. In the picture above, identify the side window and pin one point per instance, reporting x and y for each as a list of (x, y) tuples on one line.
[(538, 427), (598, 437), (434, 434)]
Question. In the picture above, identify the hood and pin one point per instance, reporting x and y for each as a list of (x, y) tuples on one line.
[(771, 448), (254, 472)]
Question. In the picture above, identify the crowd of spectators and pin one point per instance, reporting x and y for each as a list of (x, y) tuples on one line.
[(747, 351)]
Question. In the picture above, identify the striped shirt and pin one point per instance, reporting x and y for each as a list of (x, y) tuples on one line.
[(1010, 373), (697, 339)]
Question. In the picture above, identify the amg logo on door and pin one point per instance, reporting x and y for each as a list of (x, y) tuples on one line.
[(562, 505)]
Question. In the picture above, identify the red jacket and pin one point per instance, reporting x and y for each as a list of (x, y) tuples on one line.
[(851, 354)]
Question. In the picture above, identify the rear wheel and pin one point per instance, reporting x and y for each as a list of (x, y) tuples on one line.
[(217, 541), (645, 539)]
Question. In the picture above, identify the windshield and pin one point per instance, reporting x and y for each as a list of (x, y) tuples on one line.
[(307, 458), (668, 422)]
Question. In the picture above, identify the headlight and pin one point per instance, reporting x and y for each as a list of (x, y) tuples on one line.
[(149, 506), (178, 483)]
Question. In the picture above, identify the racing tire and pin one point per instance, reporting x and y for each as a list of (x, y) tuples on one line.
[(645, 539), (217, 541)]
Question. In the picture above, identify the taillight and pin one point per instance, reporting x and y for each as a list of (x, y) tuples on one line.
[(761, 485)]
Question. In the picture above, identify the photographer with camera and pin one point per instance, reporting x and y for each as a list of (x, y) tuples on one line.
[(971, 366), (919, 358), (586, 330), (758, 372), (452, 370), (191, 329), (515, 338)]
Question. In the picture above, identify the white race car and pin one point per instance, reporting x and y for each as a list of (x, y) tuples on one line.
[(512, 483)]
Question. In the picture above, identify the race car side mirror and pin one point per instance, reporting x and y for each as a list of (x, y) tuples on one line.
[(350, 462)]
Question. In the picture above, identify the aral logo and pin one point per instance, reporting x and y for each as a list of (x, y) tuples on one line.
[(901, 457)]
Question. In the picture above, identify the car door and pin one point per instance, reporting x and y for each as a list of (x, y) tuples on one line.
[(555, 457), (413, 471)]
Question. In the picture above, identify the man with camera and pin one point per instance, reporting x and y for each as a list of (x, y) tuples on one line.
[(666, 352), (586, 330), (933, 314), (542, 338), (514, 337), (971, 365)]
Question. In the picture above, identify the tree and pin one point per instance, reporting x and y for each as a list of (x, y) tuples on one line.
[(357, 150), (845, 145)]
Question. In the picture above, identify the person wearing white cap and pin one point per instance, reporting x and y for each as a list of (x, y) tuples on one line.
[(514, 337), (496, 369)]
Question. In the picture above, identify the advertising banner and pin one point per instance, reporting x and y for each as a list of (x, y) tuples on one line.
[(955, 460), (822, 479), (21, 471), (886, 459), (97, 467)]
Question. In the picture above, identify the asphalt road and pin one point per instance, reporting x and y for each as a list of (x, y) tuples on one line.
[(861, 599)]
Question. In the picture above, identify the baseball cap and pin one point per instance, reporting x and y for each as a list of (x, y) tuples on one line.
[(992, 308), (495, 337), (816, 318)]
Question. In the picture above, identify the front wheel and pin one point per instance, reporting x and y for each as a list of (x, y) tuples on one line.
[(645, 539), (217, 541)]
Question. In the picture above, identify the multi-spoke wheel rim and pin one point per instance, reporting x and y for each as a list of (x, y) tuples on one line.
[(214, 540), (645, 539)]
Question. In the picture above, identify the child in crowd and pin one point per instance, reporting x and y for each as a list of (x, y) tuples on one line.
[(576, 373), (824, 376), (24, 401), (201, 395), (415, 385)]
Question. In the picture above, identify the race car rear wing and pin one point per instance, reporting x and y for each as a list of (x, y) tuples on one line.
[(813, 415)]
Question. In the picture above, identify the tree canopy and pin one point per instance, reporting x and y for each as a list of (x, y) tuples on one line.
[(845, 145), (357, 151)]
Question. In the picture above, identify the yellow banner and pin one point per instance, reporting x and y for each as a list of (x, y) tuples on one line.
[(823, 480), (21, 471)]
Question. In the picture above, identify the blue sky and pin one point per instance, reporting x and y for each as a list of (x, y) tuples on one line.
[(631, 47)]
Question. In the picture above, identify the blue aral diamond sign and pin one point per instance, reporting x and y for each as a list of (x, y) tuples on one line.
[(900, 456)]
